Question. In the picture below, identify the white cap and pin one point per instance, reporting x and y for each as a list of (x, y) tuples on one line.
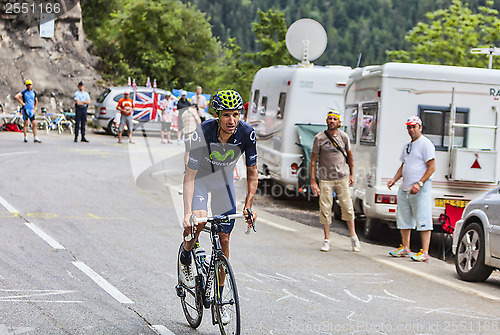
[(168, 93), (184, 93), (413, 120)]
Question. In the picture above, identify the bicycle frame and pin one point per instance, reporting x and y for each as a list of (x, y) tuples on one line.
[(206, 286), (202, 293)]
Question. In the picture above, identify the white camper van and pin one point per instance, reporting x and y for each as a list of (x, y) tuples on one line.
[(283, 96), (457, 105)]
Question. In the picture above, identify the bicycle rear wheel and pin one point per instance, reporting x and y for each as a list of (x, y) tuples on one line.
[(191, 299), (230, 322)]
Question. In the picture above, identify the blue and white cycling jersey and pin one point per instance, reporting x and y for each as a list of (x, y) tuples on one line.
[(215, 164), (29, 101), (208, 155)]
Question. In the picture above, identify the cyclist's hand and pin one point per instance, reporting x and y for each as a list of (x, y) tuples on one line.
[(186, 222), (247, 217)]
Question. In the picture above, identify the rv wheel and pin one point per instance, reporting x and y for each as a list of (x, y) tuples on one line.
[(372, 229)]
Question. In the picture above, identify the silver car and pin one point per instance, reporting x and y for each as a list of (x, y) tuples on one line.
[(105, 108), (476, 239)]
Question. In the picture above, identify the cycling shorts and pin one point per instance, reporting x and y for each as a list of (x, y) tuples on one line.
[(223, 197), (28, 115)]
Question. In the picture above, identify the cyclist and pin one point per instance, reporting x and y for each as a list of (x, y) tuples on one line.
[(217, 145)]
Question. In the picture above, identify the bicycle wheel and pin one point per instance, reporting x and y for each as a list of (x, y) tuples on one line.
[(227, 304), (191, 299)]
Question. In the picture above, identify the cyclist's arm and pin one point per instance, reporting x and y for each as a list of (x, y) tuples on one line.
[(252, 183), (188, 189), (18, 98), (187, 194)]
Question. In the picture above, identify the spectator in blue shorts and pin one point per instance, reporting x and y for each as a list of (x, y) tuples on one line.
[(414, 195), (28, 99)]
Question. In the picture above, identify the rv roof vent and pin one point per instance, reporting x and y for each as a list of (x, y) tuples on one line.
[(306, 40)]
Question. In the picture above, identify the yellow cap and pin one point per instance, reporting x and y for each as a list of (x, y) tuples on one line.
[(29, 82)]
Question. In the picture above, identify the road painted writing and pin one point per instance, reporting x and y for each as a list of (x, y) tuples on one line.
[(7, 295), (54, 216)]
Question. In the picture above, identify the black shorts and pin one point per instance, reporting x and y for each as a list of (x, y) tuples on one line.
[(165, 126), (223, 198), (26, 116)]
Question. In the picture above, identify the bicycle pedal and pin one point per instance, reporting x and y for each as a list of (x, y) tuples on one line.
[(180, 291)]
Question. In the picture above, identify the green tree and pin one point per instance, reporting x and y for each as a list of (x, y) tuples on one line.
[(270, 32), (449, 35), (162, 39)]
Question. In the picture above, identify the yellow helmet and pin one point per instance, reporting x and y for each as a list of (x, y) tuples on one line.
[(29, 82)]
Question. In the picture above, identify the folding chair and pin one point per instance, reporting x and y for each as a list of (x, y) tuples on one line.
[(448, 220)]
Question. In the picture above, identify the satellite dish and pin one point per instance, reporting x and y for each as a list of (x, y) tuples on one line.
[(306, 40)]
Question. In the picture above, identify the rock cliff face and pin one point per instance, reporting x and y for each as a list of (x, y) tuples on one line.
[(55, 65)]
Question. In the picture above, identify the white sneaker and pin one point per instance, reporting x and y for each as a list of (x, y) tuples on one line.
[(355, 244), (326, 246), (225, 317), (186, 274)]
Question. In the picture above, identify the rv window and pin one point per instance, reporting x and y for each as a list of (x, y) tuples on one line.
[(352, 111), (263, 106), (255, 101), (369, 125), (281, 105), (436, 119)]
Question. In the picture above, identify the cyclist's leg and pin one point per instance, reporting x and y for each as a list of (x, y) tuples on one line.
[(224, 202), (199, 208)]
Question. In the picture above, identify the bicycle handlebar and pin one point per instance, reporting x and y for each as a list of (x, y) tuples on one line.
[(194, 219)]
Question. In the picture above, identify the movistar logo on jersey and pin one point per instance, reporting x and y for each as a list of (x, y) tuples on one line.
[(221, 158)]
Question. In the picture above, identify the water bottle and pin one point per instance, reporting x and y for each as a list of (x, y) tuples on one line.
[(201, 254)]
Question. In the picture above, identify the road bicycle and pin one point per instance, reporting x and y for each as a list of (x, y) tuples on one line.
[(209, 279)]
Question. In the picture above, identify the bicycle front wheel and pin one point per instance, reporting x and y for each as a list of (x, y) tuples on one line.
[(227, 304), (191, 299)]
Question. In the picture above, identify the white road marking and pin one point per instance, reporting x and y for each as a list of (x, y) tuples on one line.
[(436, 279), (103, 283), (275, 225), (324, 296), (370, 297), (7, 205), (19, 153), (161, 330), (288, 294), (44, 236)]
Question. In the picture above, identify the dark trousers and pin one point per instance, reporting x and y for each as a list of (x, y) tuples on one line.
[(81, 119)]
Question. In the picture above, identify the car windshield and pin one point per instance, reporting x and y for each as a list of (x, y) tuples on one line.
[(103, 95)]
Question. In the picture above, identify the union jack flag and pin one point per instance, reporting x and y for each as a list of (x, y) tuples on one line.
[(146, 106)]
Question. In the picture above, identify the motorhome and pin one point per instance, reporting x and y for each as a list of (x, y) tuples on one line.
[(281, 98), (459, 110)]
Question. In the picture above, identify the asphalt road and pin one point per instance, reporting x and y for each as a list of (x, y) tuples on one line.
[(90, 233)]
